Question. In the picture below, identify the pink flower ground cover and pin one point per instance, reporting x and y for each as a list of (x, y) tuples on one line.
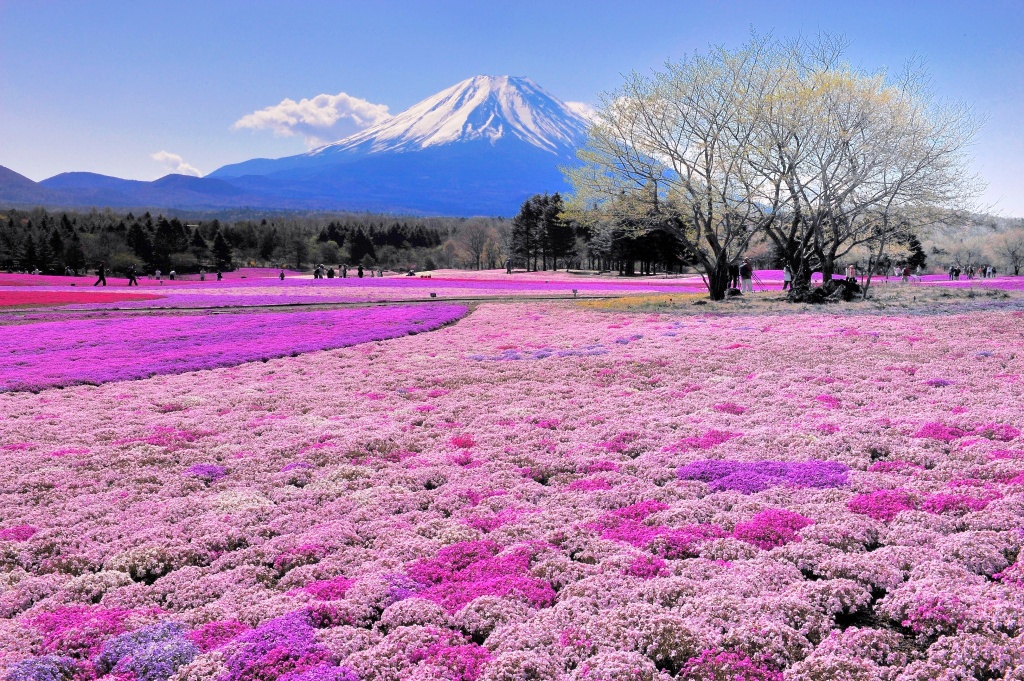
[(407, 509), (36, 298), (263, 291), (99, 350)]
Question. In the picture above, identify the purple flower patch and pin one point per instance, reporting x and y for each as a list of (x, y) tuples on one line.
[(750, 477), (207, 472)]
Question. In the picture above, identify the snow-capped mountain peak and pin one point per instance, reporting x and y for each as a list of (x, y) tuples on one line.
[(488, 108)]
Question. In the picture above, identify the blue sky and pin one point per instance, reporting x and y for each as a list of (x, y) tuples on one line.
[(104, 86)]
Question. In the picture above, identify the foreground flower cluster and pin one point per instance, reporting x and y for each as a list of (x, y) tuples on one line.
[(536, 492)]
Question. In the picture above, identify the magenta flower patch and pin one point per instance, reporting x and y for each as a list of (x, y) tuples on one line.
[(828, 401), (999, 432), (93, 351), (78, 630), (647, 567), (213, 635), (883, 504), (711, 438), (718, 665), (940, 431), (17, 533), (589, 485), (772, 527), (462, 572)]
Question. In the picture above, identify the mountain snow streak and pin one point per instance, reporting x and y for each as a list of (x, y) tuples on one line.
[(480, 108)]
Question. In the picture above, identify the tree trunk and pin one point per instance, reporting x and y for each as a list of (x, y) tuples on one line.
[(801, 286), (828, 268), (718, 279)]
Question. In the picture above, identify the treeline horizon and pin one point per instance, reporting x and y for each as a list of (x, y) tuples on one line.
[(540, 237), (55, 241)]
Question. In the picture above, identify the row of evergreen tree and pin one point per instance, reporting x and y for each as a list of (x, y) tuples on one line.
[(543, 237), (56, 242), (539, 237)]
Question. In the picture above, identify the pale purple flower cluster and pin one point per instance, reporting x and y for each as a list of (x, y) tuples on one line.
[(511, 355), (281, 646), (208, 472), (756, 476), (45, 668), (150, 654)]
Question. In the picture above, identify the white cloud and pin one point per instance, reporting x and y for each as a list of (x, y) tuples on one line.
[(322, 119), (175, 163), (583, 109)]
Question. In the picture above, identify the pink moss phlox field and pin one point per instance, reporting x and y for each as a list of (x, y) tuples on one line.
[(95, 351), (263, 290), (399, 510)]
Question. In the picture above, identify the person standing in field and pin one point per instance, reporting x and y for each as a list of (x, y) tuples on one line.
[(360, 271), (131, 276), (344, 271), (747, 276), (101, 274), (787, 278)]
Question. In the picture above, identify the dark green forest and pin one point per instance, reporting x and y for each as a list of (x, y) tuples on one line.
[(53, 242), (539, 238)]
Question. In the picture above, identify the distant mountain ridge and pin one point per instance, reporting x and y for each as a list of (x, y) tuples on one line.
[(480, 147)]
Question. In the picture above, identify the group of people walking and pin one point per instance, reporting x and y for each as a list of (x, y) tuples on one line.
[(322, 272), (971, 272), (133, 277)]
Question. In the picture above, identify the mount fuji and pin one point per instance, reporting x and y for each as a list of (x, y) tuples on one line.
[(480, 147)]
